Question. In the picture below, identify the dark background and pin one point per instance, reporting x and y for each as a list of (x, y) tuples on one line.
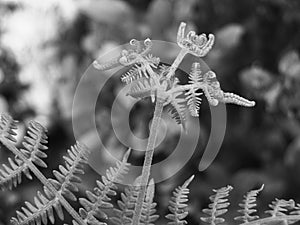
[(46, 46)]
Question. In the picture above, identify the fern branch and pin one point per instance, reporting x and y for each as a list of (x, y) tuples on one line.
[(148, 216), (127, 204), (280, 206), (248, 206), (65, 184), (34, 145), (177, 204), (142, 88), (176, 108), (8, 127), (11, 176), (218, 206), (107, 65), (99, 199)]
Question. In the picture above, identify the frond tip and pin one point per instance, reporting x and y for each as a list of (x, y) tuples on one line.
[(218, 206), (248, 206), (178, 204)]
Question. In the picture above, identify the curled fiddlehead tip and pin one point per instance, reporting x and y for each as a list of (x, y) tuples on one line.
[(197, 45)]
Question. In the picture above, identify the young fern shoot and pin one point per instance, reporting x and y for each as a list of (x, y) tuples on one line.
[(149, 79)]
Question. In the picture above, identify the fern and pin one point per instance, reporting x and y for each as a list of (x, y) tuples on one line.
[(192, 97), (123, 215), (248, 206), (65, 185), (177, 204), (177, 109), (218, 206), (34, 146), (148, 216), (99, 199), (8, 127), (279, 207)]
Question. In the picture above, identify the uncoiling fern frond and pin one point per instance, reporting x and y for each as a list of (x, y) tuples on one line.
[(248, 206), (123, 215), (148, 216), (99, 199), (34, 146), (65, 184), (218, 206), (178, 204)]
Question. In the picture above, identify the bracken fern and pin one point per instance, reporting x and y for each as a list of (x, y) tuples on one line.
[(147, 77)]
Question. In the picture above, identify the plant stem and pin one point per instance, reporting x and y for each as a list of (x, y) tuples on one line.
[(43, 180), (176, 63), (148, 160), (268, 220)]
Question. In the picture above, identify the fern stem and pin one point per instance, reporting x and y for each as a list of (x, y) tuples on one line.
[(176, 63), (43, 180), (148, 160), (270, 219)]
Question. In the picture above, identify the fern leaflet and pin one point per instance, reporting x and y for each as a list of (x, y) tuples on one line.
[(148, 216), (99, 199), (65, 184), (8, 127), (218, 206), (177, 204), (123, 216), (279, 207), (248, 206), (34, 145)]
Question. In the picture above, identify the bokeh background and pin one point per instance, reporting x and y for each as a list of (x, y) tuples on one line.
[(46, 46)]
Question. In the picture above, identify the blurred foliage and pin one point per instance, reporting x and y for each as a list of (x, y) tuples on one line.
[(45, 47)]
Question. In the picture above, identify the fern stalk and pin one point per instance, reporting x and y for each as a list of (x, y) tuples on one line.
[(270, 219), (43, 180), (176, 63), (148, 160)]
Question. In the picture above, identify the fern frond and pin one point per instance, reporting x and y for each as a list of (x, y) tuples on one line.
[(34, 145), (142, 88), (123, 215), (11, 176), (178, 204), (163, 70), (107, 65), (148, 216), (248, 206), (195, 74), (176, 108), (296, 210), (99, 199), (235, 99), (279, 207), (134, 73), (218, 206), (152, 60), (7, 128), (65, 183)]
